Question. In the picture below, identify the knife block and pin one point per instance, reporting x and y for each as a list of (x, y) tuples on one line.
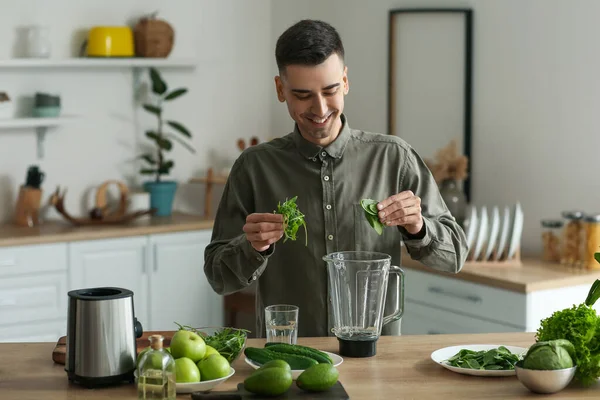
[(28, 207)]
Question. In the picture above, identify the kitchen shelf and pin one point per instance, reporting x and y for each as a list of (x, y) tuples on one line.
[(41, 126), (84, 62)]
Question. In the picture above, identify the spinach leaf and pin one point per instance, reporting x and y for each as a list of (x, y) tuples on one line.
[(370, 207), (496, 359)]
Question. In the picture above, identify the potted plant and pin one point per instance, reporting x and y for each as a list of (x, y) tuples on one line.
[(162, 192)]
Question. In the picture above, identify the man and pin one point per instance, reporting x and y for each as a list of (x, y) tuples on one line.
[(330, 167)]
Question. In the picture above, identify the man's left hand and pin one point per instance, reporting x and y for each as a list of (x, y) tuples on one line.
[(402, 209)]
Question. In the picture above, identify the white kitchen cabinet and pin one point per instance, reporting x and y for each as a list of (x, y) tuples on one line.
[(179, 290), (33, 287), (112, 262), (440, 304)]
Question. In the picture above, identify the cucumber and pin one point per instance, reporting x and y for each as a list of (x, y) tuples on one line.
[(300, 350), (321, 358), (262, 356)]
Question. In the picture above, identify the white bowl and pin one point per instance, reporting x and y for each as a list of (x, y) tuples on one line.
[(337, 360), (202, 386), (545, 381)]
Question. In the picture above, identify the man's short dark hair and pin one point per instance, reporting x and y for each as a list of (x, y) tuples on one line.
[(308, 42)]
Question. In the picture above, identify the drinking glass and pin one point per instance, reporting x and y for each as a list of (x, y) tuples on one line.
[(281, 322)]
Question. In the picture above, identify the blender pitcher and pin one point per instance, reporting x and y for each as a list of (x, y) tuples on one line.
[(358, 282)]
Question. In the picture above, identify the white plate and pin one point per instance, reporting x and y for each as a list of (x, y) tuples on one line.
[(482, 233), (441, 355), (493, 235), (517, 230), (504, 234), (203, 386), (471, 227), (337, 360)]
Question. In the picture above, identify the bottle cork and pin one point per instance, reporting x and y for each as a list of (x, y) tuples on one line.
[(156, 342)]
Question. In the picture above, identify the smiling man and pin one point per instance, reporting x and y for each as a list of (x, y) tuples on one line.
[(330, 167)]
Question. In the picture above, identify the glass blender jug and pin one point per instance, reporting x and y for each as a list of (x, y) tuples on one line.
[(358, 282)]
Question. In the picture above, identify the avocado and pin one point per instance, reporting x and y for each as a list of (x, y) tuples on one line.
[(318, 378), (269, 381), (276, 364)]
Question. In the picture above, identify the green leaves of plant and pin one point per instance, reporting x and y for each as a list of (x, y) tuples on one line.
[(159, 165), (158, 85), (499, 358), (180, 128), (594, 292), (292, 219), (175, 94), (370, 207)]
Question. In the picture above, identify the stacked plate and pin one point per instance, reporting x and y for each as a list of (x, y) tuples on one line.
[(494, 234)]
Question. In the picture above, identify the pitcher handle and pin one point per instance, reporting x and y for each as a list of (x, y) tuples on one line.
[(397, 314)]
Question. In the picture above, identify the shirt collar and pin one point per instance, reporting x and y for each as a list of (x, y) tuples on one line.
[(334, 149)]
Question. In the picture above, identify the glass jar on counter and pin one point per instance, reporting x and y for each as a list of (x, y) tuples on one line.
[(572, 239), (591, 243), (551, 232)]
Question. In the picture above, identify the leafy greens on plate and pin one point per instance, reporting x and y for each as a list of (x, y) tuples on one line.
[(494, 359)]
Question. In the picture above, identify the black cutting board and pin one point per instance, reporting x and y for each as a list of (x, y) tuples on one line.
[(336, 392)]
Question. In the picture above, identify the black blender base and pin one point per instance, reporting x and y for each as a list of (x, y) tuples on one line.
[(357, 348)]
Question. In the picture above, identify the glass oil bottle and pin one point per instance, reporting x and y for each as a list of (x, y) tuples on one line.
[(156, 372)]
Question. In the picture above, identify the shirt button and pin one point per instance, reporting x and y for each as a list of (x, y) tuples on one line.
[(314, 159), (330, 237), (326, 177), (328, 206), (323, 154)]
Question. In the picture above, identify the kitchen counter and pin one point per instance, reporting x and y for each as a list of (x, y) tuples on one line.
[(62, 231), (531, 276), (402, 369)]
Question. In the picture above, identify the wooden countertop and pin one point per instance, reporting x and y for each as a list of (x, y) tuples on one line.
[(59, 231), (533, 275), (402, 369)]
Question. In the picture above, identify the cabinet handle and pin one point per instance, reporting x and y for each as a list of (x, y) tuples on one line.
[(144, 259), (430, 332), (8, 263), (442, 292)]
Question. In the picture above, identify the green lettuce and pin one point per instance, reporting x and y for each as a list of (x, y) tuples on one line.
[(581, 326)]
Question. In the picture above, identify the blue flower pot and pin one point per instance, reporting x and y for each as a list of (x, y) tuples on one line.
[(161, 196)]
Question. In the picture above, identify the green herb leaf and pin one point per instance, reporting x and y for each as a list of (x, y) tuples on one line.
[(593, 294), (158, 85), (597, 257), (229, 342), (175, 94), (371, 213), (292, 219)]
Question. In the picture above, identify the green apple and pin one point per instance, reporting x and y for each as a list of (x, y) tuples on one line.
[(186, 371), (139, 357), (213, 367), (188, 344), (210, 351)]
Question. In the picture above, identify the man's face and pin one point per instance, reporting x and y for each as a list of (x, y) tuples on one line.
[(315, 97)]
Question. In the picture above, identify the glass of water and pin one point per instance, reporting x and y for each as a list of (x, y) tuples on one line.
[(281, 321)]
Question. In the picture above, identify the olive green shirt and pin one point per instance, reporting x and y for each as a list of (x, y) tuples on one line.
[(329, 183)]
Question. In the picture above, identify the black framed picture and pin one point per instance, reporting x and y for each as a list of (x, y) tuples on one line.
[(430, 80)]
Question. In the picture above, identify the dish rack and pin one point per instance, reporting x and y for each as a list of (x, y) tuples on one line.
[(494, 238)]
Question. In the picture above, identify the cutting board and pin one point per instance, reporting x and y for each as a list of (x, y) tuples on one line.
[(336, 392), (60, 350)]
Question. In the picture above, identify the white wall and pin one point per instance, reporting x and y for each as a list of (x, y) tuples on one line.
[(536, 95), (228, 94)]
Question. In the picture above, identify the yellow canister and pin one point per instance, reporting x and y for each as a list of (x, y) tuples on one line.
[(110, 41)]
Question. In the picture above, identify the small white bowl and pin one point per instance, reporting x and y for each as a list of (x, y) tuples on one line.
[(202, 386), (545, 381)]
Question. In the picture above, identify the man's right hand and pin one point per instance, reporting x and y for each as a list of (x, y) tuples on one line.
[(263, 229)]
